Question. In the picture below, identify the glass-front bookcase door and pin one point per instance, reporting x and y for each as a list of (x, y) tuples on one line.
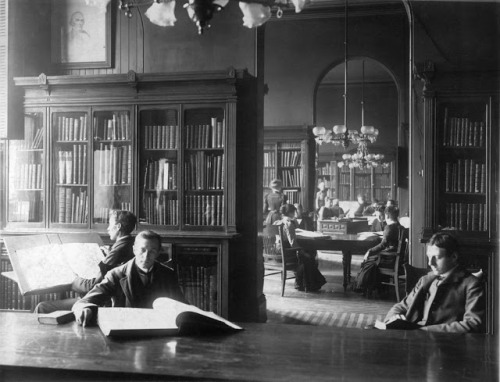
[(159, 167), (204, 142), (26, 201), (70, 163), (113, 162)]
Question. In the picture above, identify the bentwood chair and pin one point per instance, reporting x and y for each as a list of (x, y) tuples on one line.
[(390, 262), (277, 257)]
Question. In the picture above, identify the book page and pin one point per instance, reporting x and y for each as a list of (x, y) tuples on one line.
[(83, 258), (309, 234)]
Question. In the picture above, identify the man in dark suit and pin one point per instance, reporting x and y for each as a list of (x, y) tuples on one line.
[(135, 284), (449, 298), (121, 225)]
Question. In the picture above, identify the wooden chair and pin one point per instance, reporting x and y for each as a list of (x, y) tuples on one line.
[(277, 257), (390, 262), (411, 276)]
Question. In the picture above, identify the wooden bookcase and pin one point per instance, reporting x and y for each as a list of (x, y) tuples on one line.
[(289, 156), (345, 183), (461, 184), (172, 148)]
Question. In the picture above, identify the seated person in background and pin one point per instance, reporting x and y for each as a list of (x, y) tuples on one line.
[(363, 208), (135, 284), (320, 196), (366, 280), (303, 220), (121, 225), (273, 201), (308, 277), (391, 202), (378, 223), (449, 298), (330, 210)]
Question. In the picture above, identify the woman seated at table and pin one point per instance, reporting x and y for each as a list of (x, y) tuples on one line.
[(331, 209), (366, 280), (307, 277), (302, 218)]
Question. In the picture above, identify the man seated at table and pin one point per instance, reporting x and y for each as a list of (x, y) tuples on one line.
[(330, 210), (303, 219), (121, 225), (135, 284), (449, 298)]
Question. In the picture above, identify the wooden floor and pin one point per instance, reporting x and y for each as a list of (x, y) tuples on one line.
[(331, 306)]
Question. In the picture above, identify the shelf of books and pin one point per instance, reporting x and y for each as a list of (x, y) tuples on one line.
[(462, 160), (112, 158), (383, 182), (197, 269), (204, 143), (290, 170), (344, 184), (26, 183), (327, 173), (269, 172), (363, 183), (69, 159)]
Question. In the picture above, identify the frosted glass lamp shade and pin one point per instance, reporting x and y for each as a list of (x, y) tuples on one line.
[(339, 129)]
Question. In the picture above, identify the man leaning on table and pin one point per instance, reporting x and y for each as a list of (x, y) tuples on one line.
[(447, 299), (135, 284)]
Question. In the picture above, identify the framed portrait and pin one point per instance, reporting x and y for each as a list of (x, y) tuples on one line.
[(81, 33)]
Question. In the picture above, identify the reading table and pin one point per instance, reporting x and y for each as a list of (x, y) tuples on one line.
[(262, 352), (347, 243)]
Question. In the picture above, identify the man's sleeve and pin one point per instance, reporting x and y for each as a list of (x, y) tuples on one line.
[(403, 306), (100, 293), (81, 285), (473, 320)]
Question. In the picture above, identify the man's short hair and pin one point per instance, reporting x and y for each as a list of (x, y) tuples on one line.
[(126, 219), (392, 212), (287, 209), (445, 241), (149, 235)]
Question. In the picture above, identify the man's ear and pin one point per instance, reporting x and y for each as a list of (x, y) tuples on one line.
[(454, 256)]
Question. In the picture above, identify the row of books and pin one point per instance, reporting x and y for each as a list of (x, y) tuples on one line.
[(290, 158), (115, 128), (289, 145), (71, 128), (205, 136), (382, 194), (161, 174), (292, 196), (72, 165), (73, 205), (383, 180), (268, 175), (28, 209), (327, 169), (33, 135), (269, 159), (344, 192), (113, 164), (362, 181), (101, 214), (461, 132), (328, 183), (29, 176), (291, 177), (344, 177), (465, 175), (204, 210), (204, 171), (161, 209), (466, 216), (160, 137), (199, 284)]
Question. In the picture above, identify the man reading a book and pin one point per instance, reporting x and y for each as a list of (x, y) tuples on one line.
[(135, 284), (449, 298), (121, 225)]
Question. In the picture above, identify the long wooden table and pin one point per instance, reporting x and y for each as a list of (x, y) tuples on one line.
[(347, 243), (262, 352)]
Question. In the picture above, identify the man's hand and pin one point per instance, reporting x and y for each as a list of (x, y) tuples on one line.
[(396, 317), (83, 316), (366, 256)]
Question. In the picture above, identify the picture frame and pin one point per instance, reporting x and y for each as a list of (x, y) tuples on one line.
[(81, 34)]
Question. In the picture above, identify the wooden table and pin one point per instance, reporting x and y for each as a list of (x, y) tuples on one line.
[(262, 352), (348, 244)]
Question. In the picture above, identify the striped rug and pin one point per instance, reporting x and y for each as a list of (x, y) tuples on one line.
[(338, 319)]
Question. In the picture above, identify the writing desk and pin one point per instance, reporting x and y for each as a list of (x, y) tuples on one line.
[(347, 243), (262, 352)]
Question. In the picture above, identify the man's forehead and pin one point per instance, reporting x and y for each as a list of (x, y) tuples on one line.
[(433, 250)]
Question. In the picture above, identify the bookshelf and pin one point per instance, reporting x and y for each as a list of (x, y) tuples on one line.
[(346, 183), (289, 156), (160, 145), (327, 173), (461, 184)]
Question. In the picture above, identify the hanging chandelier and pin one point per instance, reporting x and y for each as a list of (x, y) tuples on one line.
[(340, 135), (255, 12)]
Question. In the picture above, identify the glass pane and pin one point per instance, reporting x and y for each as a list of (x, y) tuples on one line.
[(70, 164), (344, 192), (112, 163), (204, 142), (26, 172), (159, 173)]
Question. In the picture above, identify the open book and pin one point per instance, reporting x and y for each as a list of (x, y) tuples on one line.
[(310, 234), (45, 266), (396, 323), (168, 317)]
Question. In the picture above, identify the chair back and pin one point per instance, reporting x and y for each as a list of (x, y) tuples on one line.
[(270, 250), (289, 255), (403, 244)]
